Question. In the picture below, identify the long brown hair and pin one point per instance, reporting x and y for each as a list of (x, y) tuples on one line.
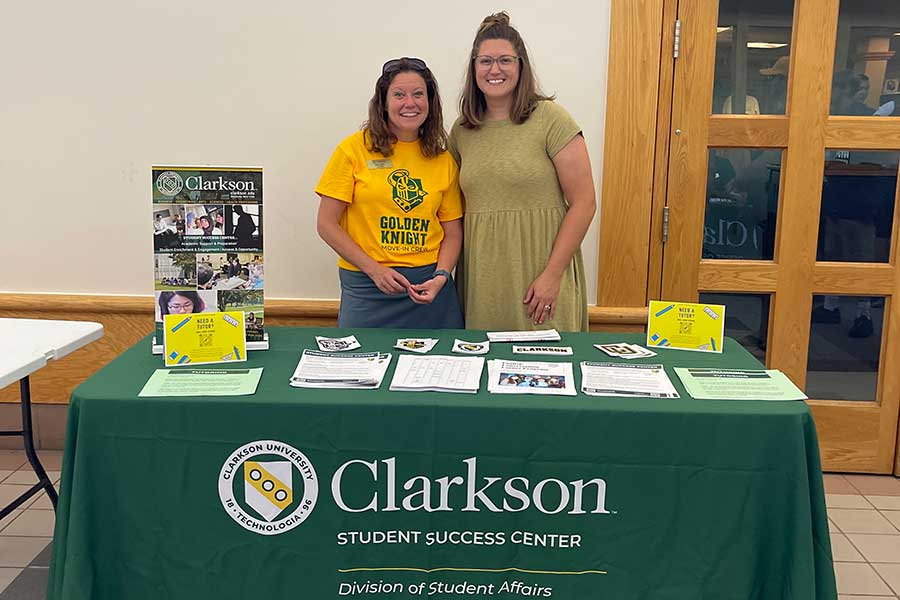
[(472, 104), (377, 130)]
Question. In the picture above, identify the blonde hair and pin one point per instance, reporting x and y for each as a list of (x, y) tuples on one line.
[(472, 104)]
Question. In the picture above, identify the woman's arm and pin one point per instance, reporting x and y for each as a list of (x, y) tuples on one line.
[(328, 225), (425, 293), (573, 167)]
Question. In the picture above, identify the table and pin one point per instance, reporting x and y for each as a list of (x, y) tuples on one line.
[(470, 496), (26, 347)]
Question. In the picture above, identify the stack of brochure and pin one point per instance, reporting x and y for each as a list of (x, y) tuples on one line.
[(544, 335), (519, 377), (360, 370), (617, 379), (461, 374)]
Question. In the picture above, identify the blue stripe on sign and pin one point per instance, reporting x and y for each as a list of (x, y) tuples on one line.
[(713, 342), (665, 310), (173, 355), (237, 352), (184, 359), (181, 324)]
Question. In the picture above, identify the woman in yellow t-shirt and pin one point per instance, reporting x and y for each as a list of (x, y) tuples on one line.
[(391, 208)]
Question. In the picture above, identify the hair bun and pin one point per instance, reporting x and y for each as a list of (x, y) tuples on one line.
[(500, 18)]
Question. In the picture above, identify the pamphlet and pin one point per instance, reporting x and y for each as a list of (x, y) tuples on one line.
[(362, 370), (544, 335), (618, 379), (202, 382), (464, 347), (738, 384), (460, 374), (518, 377), (419, 345), (327, 344)]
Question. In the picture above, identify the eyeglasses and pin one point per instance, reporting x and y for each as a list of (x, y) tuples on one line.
[(416, 64), (183, 306), (486, 62)]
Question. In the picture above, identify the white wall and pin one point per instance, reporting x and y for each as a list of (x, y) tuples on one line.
[(96, 92)]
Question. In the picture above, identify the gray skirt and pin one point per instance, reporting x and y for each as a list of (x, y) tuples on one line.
[(364, 305)]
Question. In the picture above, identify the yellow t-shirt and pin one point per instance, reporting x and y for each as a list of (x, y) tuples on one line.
[(395, 204)]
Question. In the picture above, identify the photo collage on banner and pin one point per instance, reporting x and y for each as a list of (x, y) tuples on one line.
[(208, 243)]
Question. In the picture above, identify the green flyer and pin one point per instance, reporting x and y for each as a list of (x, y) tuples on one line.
[(738, 384)]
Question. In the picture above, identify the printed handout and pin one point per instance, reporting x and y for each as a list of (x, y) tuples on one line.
[(460, 374), (519, 377), (618, 379)]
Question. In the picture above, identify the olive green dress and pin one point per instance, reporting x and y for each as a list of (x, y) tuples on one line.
[(514, 207)]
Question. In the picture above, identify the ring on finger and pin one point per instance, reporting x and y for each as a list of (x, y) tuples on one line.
[(547, 307)]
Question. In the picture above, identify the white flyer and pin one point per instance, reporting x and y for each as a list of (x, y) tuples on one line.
[(419, 345), (327, 344), (363, 370), (618, 379), (558, 350), (543, 335), (464, 347), (519, 377), (460, 374)]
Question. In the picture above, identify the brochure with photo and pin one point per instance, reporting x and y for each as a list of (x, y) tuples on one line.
[(519, 377)]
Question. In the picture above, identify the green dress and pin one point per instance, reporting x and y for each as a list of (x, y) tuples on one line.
[(514, 207)]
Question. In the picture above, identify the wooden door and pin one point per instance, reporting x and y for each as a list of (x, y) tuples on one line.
[(780, 196)]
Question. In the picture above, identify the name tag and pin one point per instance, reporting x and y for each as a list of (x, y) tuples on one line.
[(381, 163)]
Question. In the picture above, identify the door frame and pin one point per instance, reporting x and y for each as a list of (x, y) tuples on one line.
[(640, 147)]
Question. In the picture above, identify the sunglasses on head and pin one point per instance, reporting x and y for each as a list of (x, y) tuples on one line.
[(416, 64)]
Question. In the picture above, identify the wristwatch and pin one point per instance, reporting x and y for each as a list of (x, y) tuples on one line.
[(444, 273)]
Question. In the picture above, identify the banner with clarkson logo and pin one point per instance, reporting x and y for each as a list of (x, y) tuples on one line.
[(208, 243)]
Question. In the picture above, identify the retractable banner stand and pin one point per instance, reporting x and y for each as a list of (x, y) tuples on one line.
[(208, 245)]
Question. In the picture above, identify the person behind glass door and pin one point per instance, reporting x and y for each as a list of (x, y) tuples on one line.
[(526, 178), (856, 211), (390, 207), (775, 98)]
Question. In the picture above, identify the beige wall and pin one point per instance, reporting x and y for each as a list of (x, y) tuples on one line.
[(95, 95)]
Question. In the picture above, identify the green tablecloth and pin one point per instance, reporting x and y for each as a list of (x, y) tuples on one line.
[(505, 496)]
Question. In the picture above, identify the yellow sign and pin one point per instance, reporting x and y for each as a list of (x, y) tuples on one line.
[(686, 326), (204, 338)]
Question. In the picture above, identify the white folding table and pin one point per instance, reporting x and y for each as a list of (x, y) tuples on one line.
[(25, 347)]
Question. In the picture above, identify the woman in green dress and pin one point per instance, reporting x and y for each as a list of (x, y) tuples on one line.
[(526, 178)]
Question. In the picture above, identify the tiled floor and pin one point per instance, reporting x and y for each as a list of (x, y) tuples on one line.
[(864, 520), (863, 511), (25, 534)]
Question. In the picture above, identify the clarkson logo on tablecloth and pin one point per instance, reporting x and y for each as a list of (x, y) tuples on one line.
[(270, 487)]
